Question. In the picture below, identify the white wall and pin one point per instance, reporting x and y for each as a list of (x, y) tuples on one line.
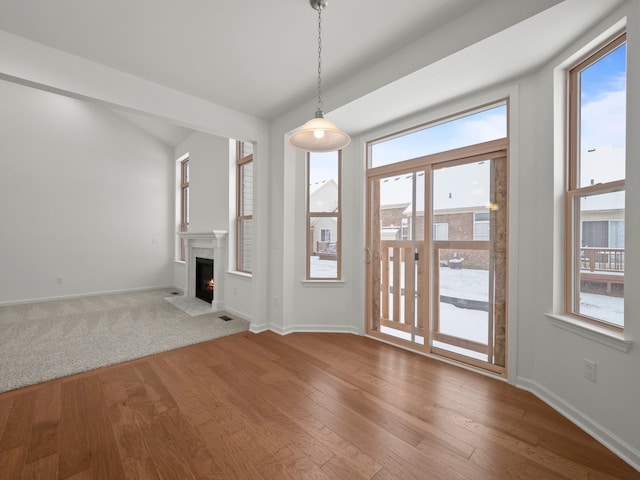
[(208, 188), (209, 181), (550, 359), (85, 197)]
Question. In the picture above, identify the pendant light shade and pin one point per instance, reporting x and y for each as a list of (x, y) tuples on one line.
[(319, 134)]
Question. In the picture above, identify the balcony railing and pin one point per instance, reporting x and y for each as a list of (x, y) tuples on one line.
[(602, 265), (596, 259)]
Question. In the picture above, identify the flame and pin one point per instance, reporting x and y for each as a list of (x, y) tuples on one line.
[(210, 284)]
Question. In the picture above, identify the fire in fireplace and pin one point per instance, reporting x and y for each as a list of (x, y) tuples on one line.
[(204, 279)]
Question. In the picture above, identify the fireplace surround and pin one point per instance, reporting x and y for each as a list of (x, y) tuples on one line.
[(209, 245)]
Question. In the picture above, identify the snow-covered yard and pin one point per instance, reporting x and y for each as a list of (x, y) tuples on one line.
[(323, 268), (473, 324), (474, 285)]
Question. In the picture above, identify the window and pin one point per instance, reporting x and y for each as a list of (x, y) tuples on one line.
[(441, 231), (323, 215), (244, 207), (184, 203), (481, 226), (404, 229), (470, 128), (595, 256)]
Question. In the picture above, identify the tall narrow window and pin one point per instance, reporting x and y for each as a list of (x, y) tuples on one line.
[(244, 207), (596, 186), (323, 215), (184, 202)]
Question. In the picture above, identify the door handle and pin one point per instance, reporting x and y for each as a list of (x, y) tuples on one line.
[(367, 252)]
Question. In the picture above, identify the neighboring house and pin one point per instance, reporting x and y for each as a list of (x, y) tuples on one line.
[(323, 197), (458, 215)]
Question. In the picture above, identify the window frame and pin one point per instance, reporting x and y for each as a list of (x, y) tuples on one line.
[(573, 190), (184, 204), (337, 214), (241, 162)]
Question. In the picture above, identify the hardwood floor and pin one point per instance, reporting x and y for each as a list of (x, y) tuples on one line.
[(317, 406)]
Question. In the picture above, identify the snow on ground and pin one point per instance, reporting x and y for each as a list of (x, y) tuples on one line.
[(464, 283), (474, 285), (603, 307), (473, 324), (323, 268)]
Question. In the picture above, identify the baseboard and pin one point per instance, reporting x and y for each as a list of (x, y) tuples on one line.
[(263, 327), (614, 443), (83, 295), (313, 329)]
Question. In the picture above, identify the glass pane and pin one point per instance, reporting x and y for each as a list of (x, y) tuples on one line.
[(603, 119), (245, 245), (186, 205), (469, 276), (323, 182), (323, 235), (246, 149), (601, 257), (463, 314), (397, 207), (477, 127), (461, 201), (401, 234), (246, 184)]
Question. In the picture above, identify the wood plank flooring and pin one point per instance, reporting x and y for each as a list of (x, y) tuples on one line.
[(302, 406)]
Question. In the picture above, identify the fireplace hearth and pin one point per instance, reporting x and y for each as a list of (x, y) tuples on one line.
[(204, 279)]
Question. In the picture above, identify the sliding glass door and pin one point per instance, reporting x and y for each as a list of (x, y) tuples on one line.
[(437, 254)]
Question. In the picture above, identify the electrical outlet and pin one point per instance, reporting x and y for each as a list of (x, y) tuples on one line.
[(60, 280), (590, 370)]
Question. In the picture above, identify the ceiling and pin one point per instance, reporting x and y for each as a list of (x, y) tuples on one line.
[(260, 57), (252, 56)]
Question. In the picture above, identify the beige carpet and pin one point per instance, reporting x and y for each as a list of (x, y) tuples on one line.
[(42, 341)]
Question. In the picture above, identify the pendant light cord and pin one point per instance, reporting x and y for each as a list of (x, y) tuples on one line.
[(319, 103)]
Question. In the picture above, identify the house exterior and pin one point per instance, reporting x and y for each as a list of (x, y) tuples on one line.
[(323, 197)]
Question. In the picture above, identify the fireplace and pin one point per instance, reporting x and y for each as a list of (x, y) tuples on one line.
[(209, 246), (204, 279)]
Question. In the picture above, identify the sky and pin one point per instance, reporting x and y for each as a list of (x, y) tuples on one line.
[(602, 119), (324, 166), (479, 127)]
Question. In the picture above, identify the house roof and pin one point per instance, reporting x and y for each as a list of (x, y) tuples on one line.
[(317, 186), (455, 188)]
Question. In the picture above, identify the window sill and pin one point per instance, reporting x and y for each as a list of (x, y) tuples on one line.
[(592, 332), (245, 275), (323, 283)]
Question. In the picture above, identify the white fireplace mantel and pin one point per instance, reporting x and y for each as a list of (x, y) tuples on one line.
[(213, 245)]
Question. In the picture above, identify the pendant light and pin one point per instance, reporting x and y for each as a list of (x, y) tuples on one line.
[(319, 134)]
